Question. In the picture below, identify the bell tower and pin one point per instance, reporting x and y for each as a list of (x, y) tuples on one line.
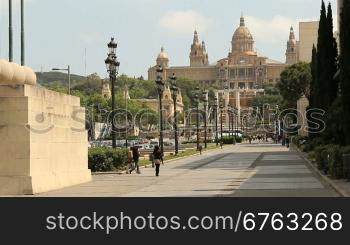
[(106, 90), (292, 49), (198, 55)]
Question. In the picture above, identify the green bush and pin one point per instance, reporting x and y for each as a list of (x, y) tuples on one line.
[(209, 141), (336, 168), (321, 157), (346, 151), (311, 146), (229, 140), (103, 159), (296, 140)]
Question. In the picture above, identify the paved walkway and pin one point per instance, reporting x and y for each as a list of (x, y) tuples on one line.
[(240, 171)]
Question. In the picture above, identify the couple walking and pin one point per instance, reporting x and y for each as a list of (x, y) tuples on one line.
[(133, 159), (134, 155)]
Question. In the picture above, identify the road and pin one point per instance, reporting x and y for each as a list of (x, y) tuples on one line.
[(264, 170)]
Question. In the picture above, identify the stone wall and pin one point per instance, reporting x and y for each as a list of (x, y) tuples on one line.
[(44, 144)]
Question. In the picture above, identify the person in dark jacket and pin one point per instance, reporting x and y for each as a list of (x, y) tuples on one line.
[(287, 142), (136, 157), (158, 159)]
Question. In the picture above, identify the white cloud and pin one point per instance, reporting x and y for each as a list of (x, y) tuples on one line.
[(275, 30), (90, 38), (184, 22)]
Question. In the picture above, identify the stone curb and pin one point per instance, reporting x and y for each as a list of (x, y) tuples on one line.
[(328, 180), (150, 165)]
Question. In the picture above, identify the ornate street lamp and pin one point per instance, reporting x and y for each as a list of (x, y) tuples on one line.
[(236, 124), (174, 93), (277, 124), (113, 68), (221, 121), (197, 100), (205, 102), (160, 87), (216, 106), (229, 119), (231, 123)]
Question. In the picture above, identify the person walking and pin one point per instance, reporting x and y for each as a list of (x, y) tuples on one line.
[(130, 162), (158, 159), (136, 157), (287, 142)]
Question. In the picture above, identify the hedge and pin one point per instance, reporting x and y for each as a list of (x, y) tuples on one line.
[(321, 157), (336, 168), (102, 159), (229, 140), (330, 159), (195, 142), (298, 139)]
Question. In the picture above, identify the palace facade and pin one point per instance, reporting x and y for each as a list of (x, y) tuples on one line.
[(242, 71), (243, 67)]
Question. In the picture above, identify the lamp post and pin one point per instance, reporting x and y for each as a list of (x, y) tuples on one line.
[(221, 122), (277, 124), (235, 116), (22, 34), (229, 120), (69, 76), (10, 33), (205, 101), (197, 100), (126, 117), (216, 121), (174, 93), (231, 124), (112, 68), (160, 87)]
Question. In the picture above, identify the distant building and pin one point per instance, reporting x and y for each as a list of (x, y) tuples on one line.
[(106, 90), (308, 36), (168, 103), (292, 54), (242, 70)]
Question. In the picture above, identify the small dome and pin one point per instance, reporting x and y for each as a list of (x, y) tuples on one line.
[(163, 54)]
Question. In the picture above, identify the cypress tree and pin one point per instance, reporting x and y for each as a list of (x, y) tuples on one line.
[(345, 65), (332, 59), (313, 87), (314, 76), (321, 99)]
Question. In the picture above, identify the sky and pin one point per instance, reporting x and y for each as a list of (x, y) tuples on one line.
[(76, 32)]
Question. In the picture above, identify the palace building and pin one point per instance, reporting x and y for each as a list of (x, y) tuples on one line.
[(241, 75), (242, 68)]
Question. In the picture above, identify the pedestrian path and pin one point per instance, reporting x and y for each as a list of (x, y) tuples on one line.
[(284, 174), (262, 170)]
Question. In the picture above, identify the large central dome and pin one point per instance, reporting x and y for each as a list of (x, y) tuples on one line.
[(242, 40)]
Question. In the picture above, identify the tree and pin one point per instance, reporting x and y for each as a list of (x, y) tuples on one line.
[(321, 96), (313, 76), (332, 67), (313, 92), (295, 82), (91, 86), (345, 66)]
